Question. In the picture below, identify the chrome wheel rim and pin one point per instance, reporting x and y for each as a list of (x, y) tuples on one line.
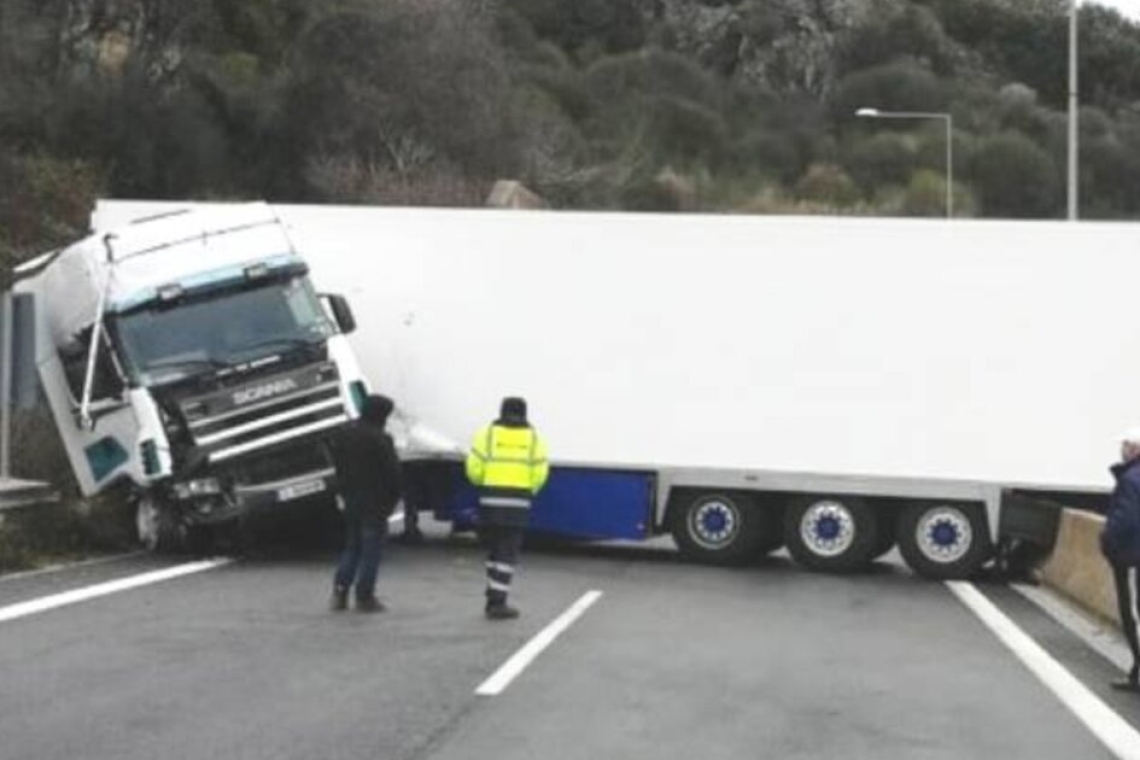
[(944, 535), (714, 523), (828, 528)]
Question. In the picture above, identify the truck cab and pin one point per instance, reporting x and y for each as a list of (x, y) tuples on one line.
[(190, 356)]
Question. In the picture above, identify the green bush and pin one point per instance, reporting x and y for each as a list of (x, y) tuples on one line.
[(45, 202), (615, 79), (613, 26), (69, 529), (1015, 178), (912, 32), (884, 159), (827, 183), (925, 194)]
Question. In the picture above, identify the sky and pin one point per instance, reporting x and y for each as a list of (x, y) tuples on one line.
[(1129, 8)]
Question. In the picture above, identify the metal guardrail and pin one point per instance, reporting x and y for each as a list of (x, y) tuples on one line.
[(5, 384), (14, 493), (24, 493)]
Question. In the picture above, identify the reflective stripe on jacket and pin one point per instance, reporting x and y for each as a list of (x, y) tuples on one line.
[(511, 458)]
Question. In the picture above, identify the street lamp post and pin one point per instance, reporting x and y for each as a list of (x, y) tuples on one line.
[(875, 113), (1072, 193), (5, 384)]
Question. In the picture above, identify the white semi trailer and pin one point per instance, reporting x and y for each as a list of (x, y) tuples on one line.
[(833, 385), (187, 355)]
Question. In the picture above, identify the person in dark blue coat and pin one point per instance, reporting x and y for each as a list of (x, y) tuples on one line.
[(368, 470), (1120, 544)]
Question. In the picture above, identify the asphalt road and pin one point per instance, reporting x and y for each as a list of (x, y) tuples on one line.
[(673, 661)]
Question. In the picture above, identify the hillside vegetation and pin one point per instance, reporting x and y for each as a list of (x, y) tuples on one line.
[(744, 106)]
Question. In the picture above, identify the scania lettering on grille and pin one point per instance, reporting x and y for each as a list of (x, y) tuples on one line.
[(258, 392)]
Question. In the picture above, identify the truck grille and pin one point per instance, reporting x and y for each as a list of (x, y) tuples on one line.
[(265, 412), (286, 461)]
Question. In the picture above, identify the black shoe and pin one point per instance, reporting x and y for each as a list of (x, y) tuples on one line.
[(1131, 683), (339, 600), (500, 612), (370, 604)]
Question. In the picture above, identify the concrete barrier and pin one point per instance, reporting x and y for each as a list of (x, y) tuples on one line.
[(1077, 569)]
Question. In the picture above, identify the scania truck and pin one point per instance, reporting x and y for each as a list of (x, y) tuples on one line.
[(838, 386), (187, 355)]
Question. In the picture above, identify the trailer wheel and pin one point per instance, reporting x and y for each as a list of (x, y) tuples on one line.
[(831, 533), (944, 541), (717, 528), (159, 529)]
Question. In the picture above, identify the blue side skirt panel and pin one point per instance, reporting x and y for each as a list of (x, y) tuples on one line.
[(577, 503)]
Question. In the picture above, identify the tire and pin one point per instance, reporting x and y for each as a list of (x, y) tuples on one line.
[(717, 528), (200, 540), (944, 541), (837, 534), (159, 529), (887, 531)]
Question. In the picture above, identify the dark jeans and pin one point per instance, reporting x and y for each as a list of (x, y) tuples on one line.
[(415, 498), (1126, 601), (503, 545), (360, 560)]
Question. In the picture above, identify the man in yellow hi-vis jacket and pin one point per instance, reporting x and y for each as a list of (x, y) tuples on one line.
[(508, 464)]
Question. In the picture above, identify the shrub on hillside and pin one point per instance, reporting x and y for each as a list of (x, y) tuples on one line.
[(1015, 178)]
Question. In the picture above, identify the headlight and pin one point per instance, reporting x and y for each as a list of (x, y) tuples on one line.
[(194, 488)]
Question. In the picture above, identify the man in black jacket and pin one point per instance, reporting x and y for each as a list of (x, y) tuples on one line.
[(1120, 544), (368, 471)]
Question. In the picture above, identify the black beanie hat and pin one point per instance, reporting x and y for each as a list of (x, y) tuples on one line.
[(377, 408), (513, 408)]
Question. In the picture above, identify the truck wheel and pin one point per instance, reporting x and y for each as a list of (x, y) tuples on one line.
[(717, 528), (159, 529), (831, 533), (200, 540), (944, 541)]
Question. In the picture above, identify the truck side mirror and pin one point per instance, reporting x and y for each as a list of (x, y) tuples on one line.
[(342, 313)]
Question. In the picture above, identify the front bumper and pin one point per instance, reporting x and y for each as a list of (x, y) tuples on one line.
[(247, 499)]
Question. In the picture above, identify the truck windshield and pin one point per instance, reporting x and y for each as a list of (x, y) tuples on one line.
[(163, 344)]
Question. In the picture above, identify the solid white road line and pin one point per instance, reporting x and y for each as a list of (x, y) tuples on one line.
[(1102, 637), (43, 604), (1113, 731), (510, 669)]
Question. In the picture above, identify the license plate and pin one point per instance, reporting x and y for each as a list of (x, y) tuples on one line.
[(288, 493)]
